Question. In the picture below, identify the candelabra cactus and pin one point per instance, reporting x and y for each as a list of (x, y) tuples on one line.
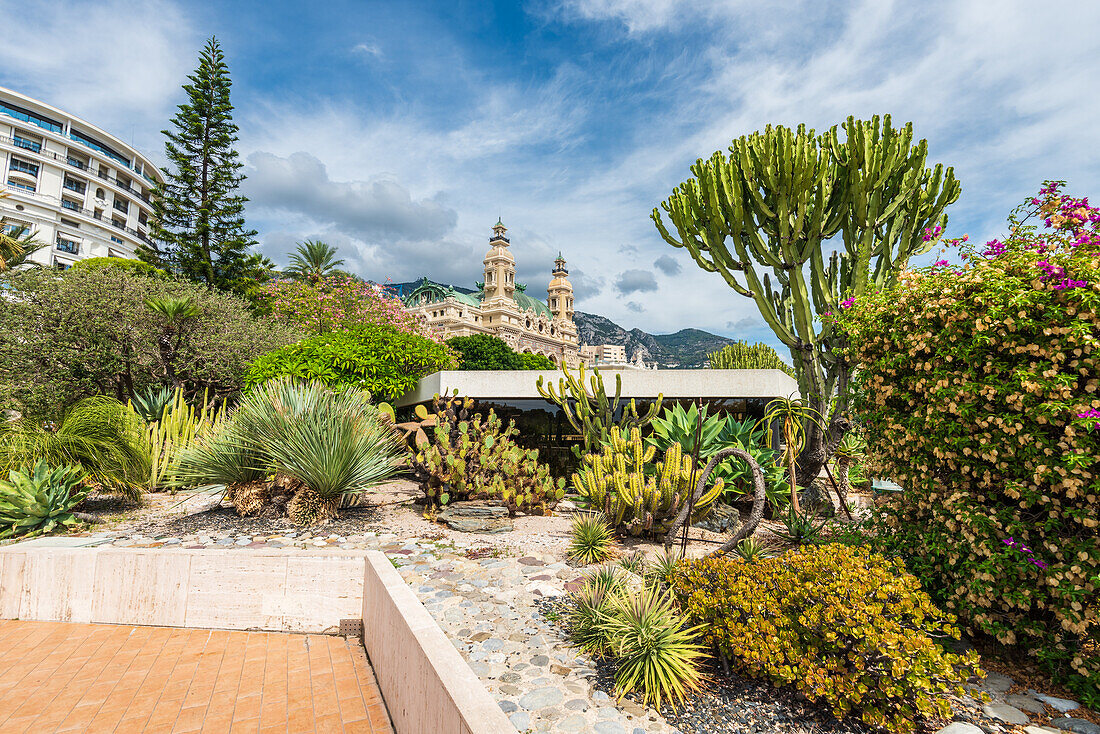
[(592, 414), (477, 459), (636, 501)]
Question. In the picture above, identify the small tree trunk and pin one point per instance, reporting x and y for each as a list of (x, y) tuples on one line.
[(842, 486), (791, 470)]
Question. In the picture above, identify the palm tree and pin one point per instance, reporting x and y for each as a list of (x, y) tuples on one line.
[(17, 244), (176, 316), (314, 261)]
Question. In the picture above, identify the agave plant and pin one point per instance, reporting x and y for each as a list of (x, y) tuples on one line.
[(591, 539), (663, 566), (751, 549), (36, 501), (100, 435), (801, 528), (151, 402), (656, 652), (634, 563)]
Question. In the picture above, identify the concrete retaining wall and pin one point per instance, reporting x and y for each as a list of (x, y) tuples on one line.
[(427, 685)]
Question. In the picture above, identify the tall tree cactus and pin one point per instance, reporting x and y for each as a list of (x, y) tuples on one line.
[(765, 217)]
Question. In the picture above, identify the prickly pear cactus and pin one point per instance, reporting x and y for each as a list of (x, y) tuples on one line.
[(472, 458), (634, 500)]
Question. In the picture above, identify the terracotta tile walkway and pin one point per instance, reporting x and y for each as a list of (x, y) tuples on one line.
[(58, 677)]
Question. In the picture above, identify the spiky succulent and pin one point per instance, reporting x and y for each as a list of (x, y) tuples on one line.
[(38, 500)]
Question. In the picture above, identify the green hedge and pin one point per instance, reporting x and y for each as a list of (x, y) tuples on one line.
[(485, 352)]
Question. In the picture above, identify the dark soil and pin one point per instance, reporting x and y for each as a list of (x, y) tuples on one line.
[(226, 521)]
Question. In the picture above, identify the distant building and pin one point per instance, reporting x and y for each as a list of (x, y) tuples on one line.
[(603, 354), (501, 307), (79, 190)]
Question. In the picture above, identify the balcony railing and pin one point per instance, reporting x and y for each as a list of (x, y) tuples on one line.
[(67, 246), (27, 144), (71, 206), (76, 186), (77, 163)]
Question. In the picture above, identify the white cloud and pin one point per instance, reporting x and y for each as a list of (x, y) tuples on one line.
[(367, 48), (117, 63)]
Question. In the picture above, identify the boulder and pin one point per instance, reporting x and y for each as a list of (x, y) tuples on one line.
[(476, 517), (1077, 726), (722, 518), (818, 498)]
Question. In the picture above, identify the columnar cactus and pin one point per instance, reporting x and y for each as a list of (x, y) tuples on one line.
[(592, 414), (633, 499)]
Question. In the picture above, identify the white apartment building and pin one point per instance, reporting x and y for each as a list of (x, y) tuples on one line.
[(81, 191)]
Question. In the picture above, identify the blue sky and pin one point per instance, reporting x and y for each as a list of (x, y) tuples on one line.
[(399, 131)]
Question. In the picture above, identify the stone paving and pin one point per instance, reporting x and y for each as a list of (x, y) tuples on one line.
[(486, 606)]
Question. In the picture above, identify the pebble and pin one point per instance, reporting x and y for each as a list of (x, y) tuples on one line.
[(1026, 703), (960, 727), (1062, 705)]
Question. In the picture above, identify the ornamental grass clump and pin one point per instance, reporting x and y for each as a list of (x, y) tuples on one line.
[(844, 626), (975, 386)]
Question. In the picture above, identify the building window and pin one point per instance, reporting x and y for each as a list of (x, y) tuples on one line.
[(78, 186), (76, 160), (20, 185), (15, 229), (27, 116), (18, 164), (70, 223), (116, 239), (123, 182), (143, 218), (120, 223), (61, 264), (27, 141), (66, 245), (96, 145), (99, 194), (71, 205), (121, 205)]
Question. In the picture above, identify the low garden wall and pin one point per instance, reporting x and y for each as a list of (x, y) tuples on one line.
[(426, 684)]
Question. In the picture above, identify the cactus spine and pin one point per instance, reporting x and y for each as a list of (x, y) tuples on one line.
[(633, 496), (592, 414), (761, 214)]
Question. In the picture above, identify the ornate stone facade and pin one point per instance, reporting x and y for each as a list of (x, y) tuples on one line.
[(501, 307)]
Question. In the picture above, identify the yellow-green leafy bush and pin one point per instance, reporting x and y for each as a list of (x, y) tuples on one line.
[(843, 625), (979, 389)]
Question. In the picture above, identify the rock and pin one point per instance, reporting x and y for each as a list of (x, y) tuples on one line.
[(817, 498), (521, 720), (508, 707), (996, 683), (574, 722), (541, 698), (960, 727), (1009, 714), (1026, 703), (1062, 705), (1077, 726), (560, 669), (608, 727), (476, 517), (1041, 730), (721, 519)]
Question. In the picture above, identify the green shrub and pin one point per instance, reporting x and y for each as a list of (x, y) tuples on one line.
[(100, 435), (486, 352), (37, 500), (978, 389), (471, 458), (800, 528), (336, 302), (91, 331), (587, 612), (590, 539), (636, 496), (136, 267), (744, 356), (383, 360), (842, 625)]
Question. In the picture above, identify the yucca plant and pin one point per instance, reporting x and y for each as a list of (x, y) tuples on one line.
[(634, 563), (151, 402), (37, 500), (99, 434), (656, 652), (587, 616), (801, 528), (591, 539), (751, 549), (663, 566)]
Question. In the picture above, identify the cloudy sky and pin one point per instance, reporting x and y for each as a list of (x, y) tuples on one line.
[(399, 131)]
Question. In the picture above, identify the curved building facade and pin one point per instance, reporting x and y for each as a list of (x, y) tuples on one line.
[(81, 191)]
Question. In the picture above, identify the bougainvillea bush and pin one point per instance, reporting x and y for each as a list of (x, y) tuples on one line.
[(382, 359), (333, 303), (978, 387), (843, 625)]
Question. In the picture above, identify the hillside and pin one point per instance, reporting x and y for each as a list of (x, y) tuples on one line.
[(684, 349)]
